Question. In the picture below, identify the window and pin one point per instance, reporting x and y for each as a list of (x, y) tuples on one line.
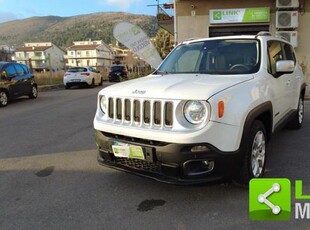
[(279, 51), (26, 70), (223, 56), (289, 52), (275, 54), (11, 71), (19, 70)]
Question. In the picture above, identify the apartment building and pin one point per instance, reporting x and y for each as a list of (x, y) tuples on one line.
[(89, 53), (40, 56)]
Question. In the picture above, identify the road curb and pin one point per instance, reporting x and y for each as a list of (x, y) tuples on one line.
[(42, 88)]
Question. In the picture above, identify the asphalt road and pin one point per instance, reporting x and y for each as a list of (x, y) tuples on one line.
[(50, 179)]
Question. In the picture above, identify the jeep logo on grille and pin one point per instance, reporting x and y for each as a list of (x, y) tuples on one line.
[(139, 91)]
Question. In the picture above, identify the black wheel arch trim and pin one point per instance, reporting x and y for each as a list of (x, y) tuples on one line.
[(303, 88), (253, 115)]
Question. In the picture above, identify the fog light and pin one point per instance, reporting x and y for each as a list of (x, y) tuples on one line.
[(198, 167), (209, 165), (199, 148)]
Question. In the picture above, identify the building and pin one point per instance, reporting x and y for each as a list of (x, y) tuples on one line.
[(40, 56), (209, 18), (128, 58), (6, 53), (89, 53)]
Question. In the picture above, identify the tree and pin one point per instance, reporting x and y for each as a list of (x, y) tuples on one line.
[(162, 42)]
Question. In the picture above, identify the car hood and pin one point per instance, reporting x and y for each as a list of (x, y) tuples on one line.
[(175, 86)]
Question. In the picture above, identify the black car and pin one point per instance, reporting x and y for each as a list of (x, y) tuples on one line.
[(118, 73), (15, 81)]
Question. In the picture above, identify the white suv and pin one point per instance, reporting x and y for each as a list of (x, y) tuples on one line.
[(205, 114)]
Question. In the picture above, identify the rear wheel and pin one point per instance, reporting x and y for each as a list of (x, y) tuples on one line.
[(3, 98), (34, 92), (92, 85), (254, 159), (298, 119)]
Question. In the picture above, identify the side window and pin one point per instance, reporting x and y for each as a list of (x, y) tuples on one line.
[(275, 54), (289, 52), (19, 69), (10, 71), (26, 70)]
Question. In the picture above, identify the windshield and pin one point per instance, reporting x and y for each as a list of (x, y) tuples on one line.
[(117, 68), (227, 56)]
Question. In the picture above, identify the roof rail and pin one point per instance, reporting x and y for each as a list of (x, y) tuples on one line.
[(190, 39), (263, 33), (282, 37)]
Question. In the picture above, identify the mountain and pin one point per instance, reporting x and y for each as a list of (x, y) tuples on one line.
[(62, 31)]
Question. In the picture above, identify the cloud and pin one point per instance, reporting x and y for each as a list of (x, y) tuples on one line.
[(124, 5), (7, 16)]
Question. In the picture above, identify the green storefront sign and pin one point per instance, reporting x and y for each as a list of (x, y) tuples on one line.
[(247, 15)]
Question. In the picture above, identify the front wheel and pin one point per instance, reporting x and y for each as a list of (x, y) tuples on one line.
[(34, 92), (254, 158), (3, 98)]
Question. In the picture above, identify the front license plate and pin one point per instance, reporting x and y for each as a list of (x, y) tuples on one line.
[(127, 151)]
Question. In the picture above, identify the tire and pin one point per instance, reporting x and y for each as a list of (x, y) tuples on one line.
[(254, 157), (34, 92), (92, 85), (67, 87), (4, 99), (298, 119), (101, 82)]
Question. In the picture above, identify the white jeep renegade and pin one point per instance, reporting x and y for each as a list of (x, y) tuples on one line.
[(205, 114)]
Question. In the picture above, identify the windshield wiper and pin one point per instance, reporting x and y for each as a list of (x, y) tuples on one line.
[(157, 72)]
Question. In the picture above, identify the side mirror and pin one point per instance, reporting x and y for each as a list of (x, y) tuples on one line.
[(286, 66)]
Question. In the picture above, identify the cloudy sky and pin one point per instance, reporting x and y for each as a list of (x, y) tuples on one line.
[(20, 9)]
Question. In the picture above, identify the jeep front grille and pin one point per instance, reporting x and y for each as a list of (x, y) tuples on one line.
[(151, 113)]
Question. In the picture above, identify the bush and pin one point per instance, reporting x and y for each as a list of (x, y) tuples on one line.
[(47, 78)]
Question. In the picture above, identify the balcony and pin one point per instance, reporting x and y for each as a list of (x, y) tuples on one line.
[(88, 56), (26, 58), (37, 58)]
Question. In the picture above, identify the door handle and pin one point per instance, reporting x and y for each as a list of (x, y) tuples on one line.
[(288, 82)]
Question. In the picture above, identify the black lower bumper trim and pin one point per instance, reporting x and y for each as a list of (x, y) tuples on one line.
[(168, 162)]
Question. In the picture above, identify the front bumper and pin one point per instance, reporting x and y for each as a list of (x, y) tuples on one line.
[(170, 162)]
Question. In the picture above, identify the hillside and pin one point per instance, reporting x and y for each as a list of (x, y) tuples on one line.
[(63, 30)]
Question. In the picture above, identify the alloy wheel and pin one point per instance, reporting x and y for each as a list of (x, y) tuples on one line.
[(258, 154)]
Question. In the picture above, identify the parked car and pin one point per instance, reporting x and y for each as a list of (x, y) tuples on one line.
[(82, 76), (118, 73), (207, 113), (15, 81)]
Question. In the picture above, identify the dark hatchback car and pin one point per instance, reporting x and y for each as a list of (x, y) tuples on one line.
[(15, 81), (118, 73)]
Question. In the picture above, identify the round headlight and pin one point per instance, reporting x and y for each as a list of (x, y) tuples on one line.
[(195, 112), (103, 104)]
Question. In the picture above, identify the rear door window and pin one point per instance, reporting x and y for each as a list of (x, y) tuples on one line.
[(19, 70), (289, 52)]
